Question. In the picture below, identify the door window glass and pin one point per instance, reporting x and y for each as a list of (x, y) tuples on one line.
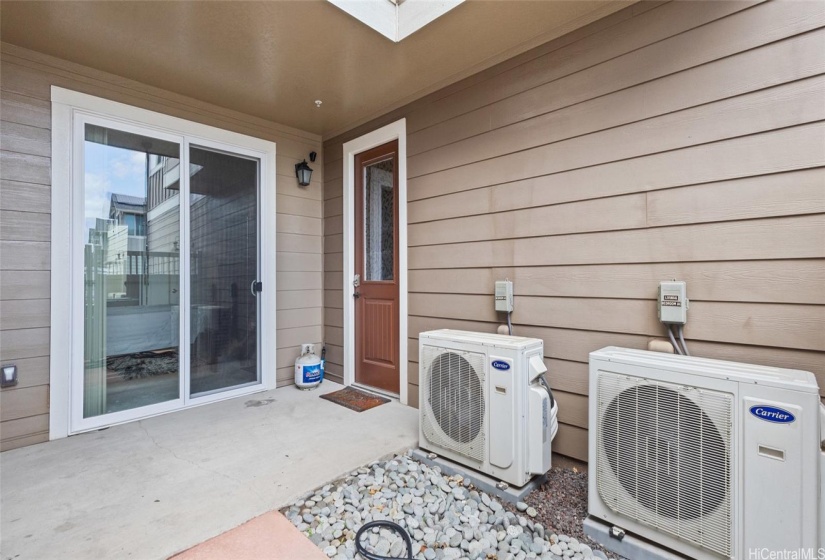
[(379, 211), (131, 271)]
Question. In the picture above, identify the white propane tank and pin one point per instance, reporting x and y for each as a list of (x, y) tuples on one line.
[(309, 371)]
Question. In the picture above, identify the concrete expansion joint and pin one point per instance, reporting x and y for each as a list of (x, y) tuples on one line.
[(188, 461)]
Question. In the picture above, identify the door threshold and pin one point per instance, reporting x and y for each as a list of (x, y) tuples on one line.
[(380, 392)]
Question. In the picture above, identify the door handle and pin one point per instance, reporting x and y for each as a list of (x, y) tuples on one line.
[(356, 295), (256, 287)]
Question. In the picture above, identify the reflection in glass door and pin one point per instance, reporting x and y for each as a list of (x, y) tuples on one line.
[(131, 237), (170, 298), (223, 268)]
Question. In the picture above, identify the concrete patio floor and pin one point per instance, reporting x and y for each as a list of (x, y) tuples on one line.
[(156, 487)]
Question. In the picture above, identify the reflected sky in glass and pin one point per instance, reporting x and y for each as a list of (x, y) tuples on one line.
[(111, 170)]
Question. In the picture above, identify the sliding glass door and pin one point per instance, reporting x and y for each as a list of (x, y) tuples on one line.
[(170, 269), (131, 270), (223, 270)]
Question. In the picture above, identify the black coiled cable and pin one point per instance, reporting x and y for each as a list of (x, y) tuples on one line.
[(389, 525), (549, 391)]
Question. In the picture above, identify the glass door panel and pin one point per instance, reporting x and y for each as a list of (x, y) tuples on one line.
[(223, 268), (379, 221), (131, 271)]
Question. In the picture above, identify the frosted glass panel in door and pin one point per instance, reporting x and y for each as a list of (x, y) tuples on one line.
[(223, 216), (131, 270), (379, 211)]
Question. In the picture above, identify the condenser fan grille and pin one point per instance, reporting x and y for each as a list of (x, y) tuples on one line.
[(453, 387), (664, 457)]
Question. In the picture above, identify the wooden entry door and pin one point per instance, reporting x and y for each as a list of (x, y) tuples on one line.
[(376, 268)]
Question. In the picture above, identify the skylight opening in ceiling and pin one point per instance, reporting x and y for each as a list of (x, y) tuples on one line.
[(396, 19)]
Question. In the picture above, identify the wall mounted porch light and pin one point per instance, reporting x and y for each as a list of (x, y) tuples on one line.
[(303, 171)]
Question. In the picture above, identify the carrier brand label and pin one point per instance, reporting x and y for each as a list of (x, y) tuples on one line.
[(772, 414), (503, 366)]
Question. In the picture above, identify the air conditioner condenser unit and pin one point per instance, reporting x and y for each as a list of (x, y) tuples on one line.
[(483, 403), (708, 458)]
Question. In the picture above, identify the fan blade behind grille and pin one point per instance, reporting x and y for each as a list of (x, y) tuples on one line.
[(454, 385)]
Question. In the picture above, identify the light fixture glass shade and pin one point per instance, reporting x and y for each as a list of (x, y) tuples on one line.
[(303, 172)]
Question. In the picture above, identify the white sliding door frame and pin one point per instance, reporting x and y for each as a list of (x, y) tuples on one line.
[(393, 131), (263, 297), (76, 364), (70, 111)]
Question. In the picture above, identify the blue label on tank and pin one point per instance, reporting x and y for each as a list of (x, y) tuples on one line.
[(503, 366), (312, 373), (772, 414)]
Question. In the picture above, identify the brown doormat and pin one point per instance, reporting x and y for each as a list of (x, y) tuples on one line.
[(355, 399)]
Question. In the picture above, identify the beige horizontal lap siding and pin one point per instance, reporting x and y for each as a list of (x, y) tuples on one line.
[(678, 140), (333, 262), (25, 207)]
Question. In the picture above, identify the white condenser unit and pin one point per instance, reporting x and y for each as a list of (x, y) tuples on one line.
[(708, 458), (484, 403)]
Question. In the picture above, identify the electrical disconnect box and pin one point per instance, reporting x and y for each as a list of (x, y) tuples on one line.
[(673, 302), (504, 296)]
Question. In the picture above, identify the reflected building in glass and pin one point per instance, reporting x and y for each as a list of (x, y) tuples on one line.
[(133, 280)]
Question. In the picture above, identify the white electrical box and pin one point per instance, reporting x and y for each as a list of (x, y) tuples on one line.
[(504, 296), (673, 302)]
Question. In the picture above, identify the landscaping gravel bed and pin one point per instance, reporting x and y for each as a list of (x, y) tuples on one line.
[(447, 518), (560, 504)]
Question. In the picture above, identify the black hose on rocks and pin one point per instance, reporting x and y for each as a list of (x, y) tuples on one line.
[(395, 527)]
